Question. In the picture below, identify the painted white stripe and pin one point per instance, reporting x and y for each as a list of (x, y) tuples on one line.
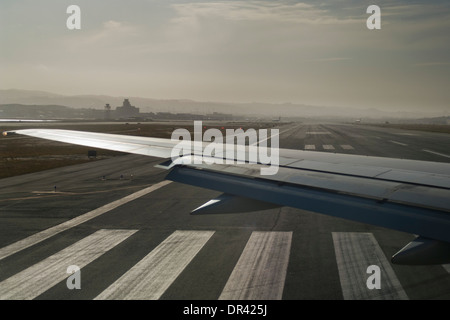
[(328, 147), (261, 270), (399, 143), (446, 267), (355, 252), (346, 147), (407, 134), (45, 234), (310, 147), (31, 282), (270, 136), (150, 277), (436, 153)]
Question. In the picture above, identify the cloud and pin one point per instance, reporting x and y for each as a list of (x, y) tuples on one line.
[(433, 64), (280, 12), (333, 59), (110, 32), (42, 68), (287, 50)]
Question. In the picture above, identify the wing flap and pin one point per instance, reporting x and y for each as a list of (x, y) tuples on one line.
[(381, 190), (428, 222)]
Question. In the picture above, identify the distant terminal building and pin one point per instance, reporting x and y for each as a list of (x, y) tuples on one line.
[(126, 110)]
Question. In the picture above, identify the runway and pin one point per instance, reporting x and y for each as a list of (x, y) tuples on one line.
[(132, 236)]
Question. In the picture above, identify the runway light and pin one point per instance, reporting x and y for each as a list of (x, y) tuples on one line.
[(5, 133)]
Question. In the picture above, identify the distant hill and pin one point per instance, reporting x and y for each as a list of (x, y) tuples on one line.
[(36, 112), (30, 97)]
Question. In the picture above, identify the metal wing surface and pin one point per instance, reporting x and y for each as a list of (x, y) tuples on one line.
[(406, 195)]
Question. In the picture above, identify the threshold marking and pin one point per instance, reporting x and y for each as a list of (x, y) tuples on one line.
[(150, 277), (261, 270), (355, 252), (31, 282)]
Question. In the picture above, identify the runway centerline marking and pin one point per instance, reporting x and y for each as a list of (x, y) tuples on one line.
[(261, 270), (436, 153), (50, 232), (31, 282), (399, 143), (355, 252), (407, 134), (150, 277), (318, 132)]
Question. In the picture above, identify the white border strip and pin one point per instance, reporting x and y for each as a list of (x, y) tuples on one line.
[(41, 236)]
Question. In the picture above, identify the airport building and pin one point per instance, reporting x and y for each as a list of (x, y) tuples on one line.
[(126, 110)]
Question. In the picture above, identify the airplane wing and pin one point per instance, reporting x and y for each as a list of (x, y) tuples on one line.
[(406, 195)]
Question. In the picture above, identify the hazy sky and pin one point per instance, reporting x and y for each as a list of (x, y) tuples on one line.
[(312, 52)]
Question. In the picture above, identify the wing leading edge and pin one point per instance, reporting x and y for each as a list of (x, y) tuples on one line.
[(405, 195)]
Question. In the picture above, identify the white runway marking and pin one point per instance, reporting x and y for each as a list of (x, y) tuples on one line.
[(328, 147), (355, 252), (41, 236), (407, 134), (310, 147), (31, 282), (436, 153), (261, 270), (318, 132), (446, 267), (346, 147), (399, 143), (151, 276), (270, 136)]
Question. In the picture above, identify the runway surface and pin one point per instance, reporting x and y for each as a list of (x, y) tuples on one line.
[(130, 233)]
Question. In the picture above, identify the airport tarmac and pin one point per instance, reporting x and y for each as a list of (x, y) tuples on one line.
[(132, 234)]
